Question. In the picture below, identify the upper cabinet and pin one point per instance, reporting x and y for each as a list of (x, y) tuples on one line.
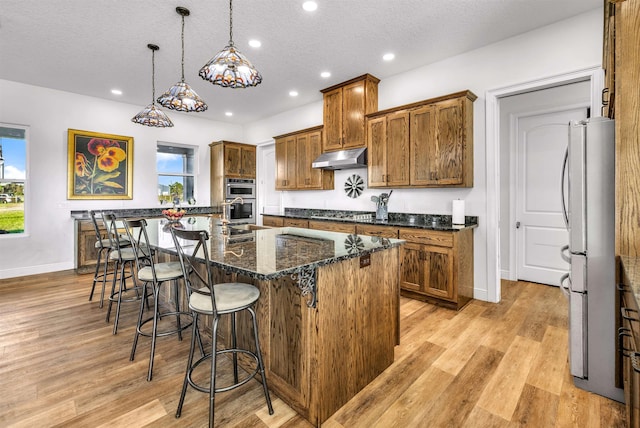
[(295, 153), (345, 107), (239, 160), (425, 144)]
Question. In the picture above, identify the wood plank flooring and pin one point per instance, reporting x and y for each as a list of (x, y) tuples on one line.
[(489, 365)]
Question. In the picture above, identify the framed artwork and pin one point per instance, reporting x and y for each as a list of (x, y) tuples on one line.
[(100, 166)]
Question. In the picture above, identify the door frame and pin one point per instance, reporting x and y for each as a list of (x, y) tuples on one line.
[(262, 170), (492, 137), (515, 150)]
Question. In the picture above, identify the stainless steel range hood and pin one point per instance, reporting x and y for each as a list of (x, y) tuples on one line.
[(343, 159)]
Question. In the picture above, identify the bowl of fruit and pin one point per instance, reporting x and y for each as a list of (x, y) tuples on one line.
[(173, 214)]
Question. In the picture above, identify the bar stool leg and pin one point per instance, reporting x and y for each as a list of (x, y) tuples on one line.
[(177, 299), (260, 363), (138, 325), (105, 270), (122, 289), (113, 288), (194, 333), (95, 274), (212, 389), (154, 331), (234, 345)]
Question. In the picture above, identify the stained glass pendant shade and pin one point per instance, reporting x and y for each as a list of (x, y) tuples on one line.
[(230, 68), (180, 96), (151, 115)]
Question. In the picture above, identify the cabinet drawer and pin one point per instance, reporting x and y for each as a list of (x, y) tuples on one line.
[(272, 221), (296, 222), (332, 226), (382, 231), (429, 237)]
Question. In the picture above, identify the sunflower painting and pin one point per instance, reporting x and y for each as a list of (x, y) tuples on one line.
[(100, 166)]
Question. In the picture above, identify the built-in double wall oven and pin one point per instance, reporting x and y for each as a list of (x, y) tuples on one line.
[(241, 210)]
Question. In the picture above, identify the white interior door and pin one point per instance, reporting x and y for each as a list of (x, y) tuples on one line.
[(269, 199), (540, 229)]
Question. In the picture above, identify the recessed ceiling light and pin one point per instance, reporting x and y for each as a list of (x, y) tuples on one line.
[(309, 6), (228, 113), (388, 56), (325, 74), (116, 92), (293, 93), (255, 43)]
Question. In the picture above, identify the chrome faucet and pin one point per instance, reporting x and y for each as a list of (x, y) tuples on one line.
[(225, 205)]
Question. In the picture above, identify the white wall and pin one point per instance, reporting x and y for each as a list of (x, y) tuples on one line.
[(563, 47), (49, 242)]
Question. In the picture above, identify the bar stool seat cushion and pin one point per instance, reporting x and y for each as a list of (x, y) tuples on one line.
[(127, 254), (230, 296), (164, 272), (106, 243)]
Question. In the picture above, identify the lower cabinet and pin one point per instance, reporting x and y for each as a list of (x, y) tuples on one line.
[(296, 222), (271, 221), (437, 266), (332, 226), (86, 251)]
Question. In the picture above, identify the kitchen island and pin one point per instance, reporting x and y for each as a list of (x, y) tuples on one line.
[(328, 311)]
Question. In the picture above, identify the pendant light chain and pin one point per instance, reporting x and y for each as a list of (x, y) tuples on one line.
[(153, 76), (182, 62), (230, 22)]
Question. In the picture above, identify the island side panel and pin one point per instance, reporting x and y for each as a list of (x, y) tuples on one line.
[(357, 326)]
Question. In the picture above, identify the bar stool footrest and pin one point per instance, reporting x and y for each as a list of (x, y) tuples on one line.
[(229, 387)]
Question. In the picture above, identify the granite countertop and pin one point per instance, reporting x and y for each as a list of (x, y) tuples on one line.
[(418, 221), (146, 212), (270, 253)]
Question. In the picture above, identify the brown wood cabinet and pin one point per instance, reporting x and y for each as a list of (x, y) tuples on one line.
[(332, 226), (424, 144), (437, 266), (295, 222), (295, 152), (239, 160), (272, 221), (375, 230), (86, 251), (344, 109)]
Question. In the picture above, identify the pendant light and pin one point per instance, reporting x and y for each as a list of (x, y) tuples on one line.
[(150, 115), (180, 96), (229, 68)]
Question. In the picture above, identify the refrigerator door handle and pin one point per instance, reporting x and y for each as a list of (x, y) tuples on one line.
[(564, 253), (565, 214), (563, 288)]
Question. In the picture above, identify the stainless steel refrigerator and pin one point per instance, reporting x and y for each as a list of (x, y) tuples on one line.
[(588, 191)]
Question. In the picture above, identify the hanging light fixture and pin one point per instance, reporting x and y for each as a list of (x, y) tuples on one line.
[(150, 115), (229, 68), (180, 96)]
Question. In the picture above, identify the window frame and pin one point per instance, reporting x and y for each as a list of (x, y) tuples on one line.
[(26, 181), (183, 175)]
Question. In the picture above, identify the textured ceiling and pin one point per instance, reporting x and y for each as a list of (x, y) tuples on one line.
[(91, 46)]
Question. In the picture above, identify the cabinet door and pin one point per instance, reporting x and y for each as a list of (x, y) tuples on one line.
[(449, 134), (412, 274), (285, 156), (248, 164), (439, 272), (353, 111), (397, 148), (232, 160), (332, 120), (377, 151), (272, 221), (332, 226), (314, 150), (303, 164), (423, 165)]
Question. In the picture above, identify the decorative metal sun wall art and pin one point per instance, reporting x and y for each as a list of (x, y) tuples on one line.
[(354, 186)]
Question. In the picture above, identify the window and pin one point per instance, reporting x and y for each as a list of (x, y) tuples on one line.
[(176, 173), (13, 162)]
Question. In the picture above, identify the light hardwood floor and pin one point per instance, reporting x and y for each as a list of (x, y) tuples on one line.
[(489, 365)]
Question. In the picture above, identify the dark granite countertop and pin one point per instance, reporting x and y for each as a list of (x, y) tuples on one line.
[(270, 253), (147, 212), (419, 221)]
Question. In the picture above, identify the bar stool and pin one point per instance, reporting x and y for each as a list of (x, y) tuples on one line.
[(215, 300), (121, 255), (103, 245), (156, 274)]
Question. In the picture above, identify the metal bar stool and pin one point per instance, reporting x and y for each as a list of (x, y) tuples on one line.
[(215, 300), (103, 245), (156, 274), (121, 255)]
